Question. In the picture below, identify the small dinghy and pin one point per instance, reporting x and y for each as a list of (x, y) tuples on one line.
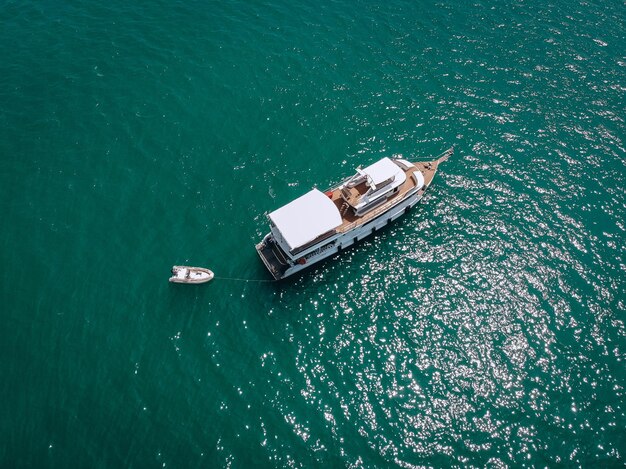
[(186, 274)]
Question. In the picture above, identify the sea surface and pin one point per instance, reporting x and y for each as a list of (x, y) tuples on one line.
[(484, 328)]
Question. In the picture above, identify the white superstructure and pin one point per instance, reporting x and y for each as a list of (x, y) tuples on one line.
[(372, 185), (320, 224), (305, 219)]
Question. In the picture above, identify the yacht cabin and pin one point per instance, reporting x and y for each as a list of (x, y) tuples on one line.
[(372, 186)]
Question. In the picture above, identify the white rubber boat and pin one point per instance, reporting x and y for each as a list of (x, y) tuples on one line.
[(187, 274)]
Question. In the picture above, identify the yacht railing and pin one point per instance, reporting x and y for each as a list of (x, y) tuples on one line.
[(378, 211)]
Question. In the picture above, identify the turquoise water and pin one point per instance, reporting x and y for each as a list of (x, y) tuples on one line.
[(484, 328)]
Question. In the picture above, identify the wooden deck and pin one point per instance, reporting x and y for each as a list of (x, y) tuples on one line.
[(428, 169)]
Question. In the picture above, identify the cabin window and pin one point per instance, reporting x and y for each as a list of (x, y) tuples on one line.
[(378, 190), (370, 206)]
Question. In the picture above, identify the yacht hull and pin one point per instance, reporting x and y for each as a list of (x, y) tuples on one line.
[(344, 240), (285, 252)]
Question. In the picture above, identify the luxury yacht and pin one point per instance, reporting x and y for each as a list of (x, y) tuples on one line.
[(320, 224)]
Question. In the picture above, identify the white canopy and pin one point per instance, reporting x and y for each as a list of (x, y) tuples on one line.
[(383, 170), (306, 218)]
